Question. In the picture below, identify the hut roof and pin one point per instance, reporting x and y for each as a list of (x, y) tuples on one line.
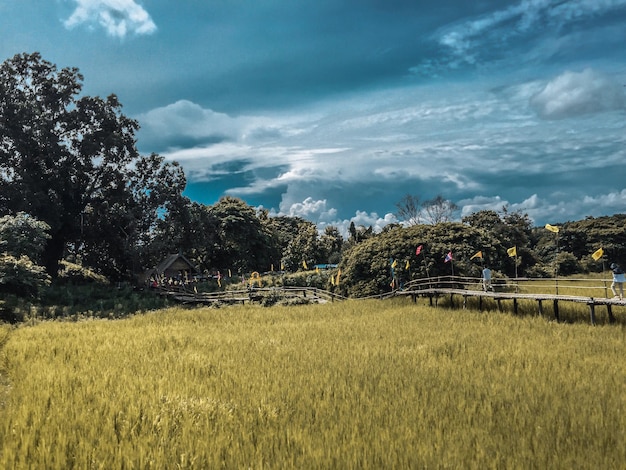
[(176, 262)]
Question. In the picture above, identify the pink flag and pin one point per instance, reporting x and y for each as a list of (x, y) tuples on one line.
[(419, 250), (448, 257)]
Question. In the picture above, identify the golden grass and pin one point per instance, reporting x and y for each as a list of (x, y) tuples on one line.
[(358, 384)]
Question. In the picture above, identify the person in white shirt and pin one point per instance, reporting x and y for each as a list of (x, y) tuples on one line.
[(618, 281), (487, 279)]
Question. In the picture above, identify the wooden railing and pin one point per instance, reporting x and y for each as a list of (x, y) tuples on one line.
[(592, 292), (252, 294)]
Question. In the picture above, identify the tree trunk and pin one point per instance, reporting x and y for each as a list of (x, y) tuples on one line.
[(53, 253)]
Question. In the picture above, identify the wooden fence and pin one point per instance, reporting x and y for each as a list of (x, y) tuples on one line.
[(596, 292)]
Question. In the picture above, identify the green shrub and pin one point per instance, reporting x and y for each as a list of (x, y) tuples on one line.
[(76, 274), (20, 276)]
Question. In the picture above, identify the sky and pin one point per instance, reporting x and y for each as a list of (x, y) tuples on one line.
[(334, 110)]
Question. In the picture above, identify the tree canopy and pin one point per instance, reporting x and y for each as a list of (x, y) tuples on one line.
[(72, 163)]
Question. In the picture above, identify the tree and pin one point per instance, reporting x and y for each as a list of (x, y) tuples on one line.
[(23, 235), (72, 163), (331, 244), (189, 228), (21, 241), (20, 276), (283, 229), (439, 210), (366, 267), (359, 234), (243, 240), (409, 210), (304, 248)]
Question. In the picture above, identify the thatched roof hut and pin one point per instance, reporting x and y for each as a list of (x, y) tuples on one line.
[(175, 266)]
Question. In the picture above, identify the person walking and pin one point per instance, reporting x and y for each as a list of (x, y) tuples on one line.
[(487, 279), (618, 281)]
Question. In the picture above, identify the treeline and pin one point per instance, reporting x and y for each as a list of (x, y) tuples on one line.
[(76, 193), (485, 238)]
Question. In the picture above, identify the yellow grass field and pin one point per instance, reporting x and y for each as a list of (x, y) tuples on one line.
[(354, 385)]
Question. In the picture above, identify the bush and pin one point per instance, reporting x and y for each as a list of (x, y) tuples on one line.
[(21, 277), (568, 264), (539, 271), (77, 274)]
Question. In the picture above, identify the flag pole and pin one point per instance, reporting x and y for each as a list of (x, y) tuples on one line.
[(556, 265), (516, 280), (418, 251), (555, 230)]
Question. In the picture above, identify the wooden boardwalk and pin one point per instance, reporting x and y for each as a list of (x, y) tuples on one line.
[(250, 295), (452, 287)]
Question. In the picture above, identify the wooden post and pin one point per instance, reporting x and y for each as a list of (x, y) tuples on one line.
[(609, 310), (592, 312), (414, 298), (515, 306), (464, 301), (480, 303), (499, 301), (556, 310), (540, 307), (452, 300)]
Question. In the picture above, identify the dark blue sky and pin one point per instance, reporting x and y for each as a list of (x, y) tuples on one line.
[(334, 110)]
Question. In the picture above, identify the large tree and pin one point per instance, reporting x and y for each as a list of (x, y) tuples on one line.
[(72, 162), (243, 239), (188, 228)]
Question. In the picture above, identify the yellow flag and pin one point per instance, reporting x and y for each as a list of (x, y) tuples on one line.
[(407, 265), (272, 267), (337, 277), (512, 251), (552, 228), (394, 264), (317, 269), (332, 280), (304, 265), (597, 254), (477, 255)]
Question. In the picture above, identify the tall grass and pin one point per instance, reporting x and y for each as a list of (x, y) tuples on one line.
[(358, 384)]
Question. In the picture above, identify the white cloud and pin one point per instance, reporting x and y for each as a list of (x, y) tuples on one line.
[(310, 209), (323, 216), (560, 209), (465, 40), (578, 93), (481, 203), (360, 218), (188, 120), (367, 219), (323, 164), (614, 201), (117, 17)]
